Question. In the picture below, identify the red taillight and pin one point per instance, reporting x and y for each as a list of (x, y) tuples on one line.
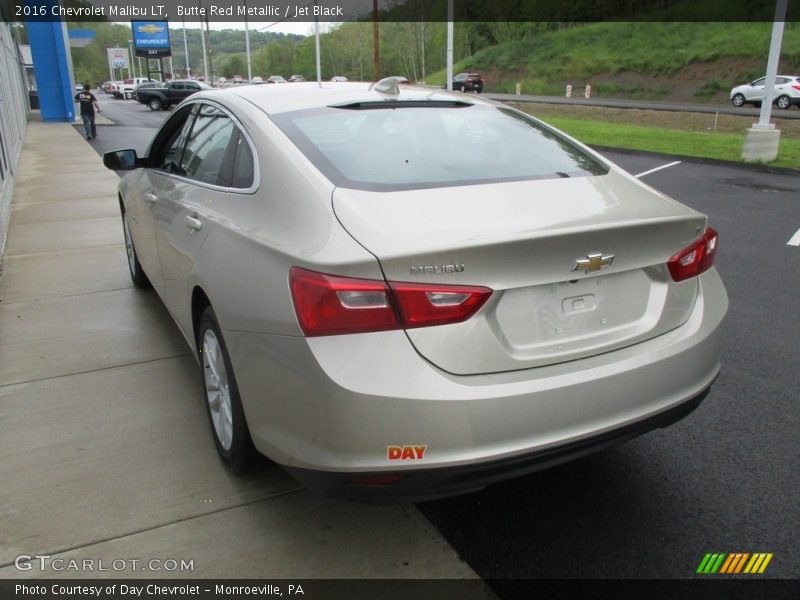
[(330, 305), (333, 305), (695, 259), (796, 87), (422, 305)]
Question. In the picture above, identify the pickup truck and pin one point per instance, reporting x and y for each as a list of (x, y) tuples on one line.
[(125, 89), (161, 98)]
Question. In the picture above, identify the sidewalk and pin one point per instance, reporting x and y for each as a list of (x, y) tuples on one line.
[(103, 433)]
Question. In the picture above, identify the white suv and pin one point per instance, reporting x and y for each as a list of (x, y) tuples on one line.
[(787, 92)]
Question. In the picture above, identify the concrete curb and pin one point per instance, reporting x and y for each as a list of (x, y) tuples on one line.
[(703, 161)]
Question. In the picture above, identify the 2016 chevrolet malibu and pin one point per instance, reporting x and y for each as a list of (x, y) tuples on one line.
[(409, 293)]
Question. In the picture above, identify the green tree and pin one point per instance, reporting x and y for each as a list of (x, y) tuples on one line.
[(233, 65)]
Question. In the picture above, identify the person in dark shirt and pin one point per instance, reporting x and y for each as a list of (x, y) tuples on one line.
[(88, 103)]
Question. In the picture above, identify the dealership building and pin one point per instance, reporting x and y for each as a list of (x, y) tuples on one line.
[(14, 110)]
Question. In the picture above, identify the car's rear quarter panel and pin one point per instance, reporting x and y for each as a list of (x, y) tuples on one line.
[(287, 222)]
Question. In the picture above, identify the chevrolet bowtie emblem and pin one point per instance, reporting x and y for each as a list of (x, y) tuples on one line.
[(593, 262), (152, 29)]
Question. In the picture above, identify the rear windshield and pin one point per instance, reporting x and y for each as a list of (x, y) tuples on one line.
[(383, 149)]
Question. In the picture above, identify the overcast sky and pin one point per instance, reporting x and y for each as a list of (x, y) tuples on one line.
[(281, 27)]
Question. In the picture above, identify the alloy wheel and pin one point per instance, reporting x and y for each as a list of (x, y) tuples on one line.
[(129, 245), (218, 391)]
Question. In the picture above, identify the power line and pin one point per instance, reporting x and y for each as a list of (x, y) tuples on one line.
[(286, 18)]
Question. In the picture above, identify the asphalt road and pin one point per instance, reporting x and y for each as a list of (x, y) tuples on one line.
[(724, 109), (725, 479)]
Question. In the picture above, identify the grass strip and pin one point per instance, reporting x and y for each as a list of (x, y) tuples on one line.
[(721, 146)]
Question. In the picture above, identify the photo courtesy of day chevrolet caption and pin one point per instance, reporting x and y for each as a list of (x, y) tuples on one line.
[(401, 293)]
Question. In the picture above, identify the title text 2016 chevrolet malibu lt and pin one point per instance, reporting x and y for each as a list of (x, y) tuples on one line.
[(408, 293)]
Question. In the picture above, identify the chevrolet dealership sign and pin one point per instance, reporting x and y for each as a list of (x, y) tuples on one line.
[(151, 39)]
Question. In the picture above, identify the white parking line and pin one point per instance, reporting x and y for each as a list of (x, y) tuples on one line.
[(667, 166), (795, 240)]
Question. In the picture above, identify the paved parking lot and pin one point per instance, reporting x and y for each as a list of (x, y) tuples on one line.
[(110, 404), (722, 480)]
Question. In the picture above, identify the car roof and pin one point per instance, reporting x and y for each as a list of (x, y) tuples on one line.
[(279, 99)]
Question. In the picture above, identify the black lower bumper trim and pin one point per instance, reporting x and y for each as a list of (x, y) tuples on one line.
[(428, 484)]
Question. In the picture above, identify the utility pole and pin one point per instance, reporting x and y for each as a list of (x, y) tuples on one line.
[(376, 43)]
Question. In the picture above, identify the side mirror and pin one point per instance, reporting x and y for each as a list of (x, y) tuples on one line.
[(122, 160)]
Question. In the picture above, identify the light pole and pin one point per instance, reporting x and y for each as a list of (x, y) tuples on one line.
[(450, 45), (247, 44), (316, 46), (376, 43), (762, 140), (203, 40), (186, 52), (130, 48)]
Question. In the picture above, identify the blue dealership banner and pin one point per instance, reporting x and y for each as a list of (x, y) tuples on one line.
[(151, 39)]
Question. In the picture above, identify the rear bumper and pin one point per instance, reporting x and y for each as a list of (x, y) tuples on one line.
[(329, 408), (429, 484)]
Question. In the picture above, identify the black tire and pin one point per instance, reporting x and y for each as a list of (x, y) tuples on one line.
[(783, 102), (138, 275), (238, 453), (738, 100), (128, 95), (155, 104)]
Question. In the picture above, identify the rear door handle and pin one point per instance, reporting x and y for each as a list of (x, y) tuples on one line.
[(151, 198), (193, 223)]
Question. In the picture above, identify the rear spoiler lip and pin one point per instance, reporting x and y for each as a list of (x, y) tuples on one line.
[(393, 103)]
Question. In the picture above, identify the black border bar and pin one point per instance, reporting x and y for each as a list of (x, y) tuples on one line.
[(708, 588), (473, 11)]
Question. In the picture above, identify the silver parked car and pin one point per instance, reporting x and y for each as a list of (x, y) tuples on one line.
[(787, 92), (409, 293)]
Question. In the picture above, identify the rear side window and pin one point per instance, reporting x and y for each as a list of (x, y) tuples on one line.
[(399, 147), (242, 164), (208, 146)]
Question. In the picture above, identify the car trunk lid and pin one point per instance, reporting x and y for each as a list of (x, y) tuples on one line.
[(577, 265)]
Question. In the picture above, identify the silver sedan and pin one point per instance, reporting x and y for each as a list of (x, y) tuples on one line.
[(403, 293)]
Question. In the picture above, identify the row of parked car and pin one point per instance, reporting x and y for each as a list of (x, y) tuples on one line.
[(124, 89), (158, 95), (238, 80), (787, 88)]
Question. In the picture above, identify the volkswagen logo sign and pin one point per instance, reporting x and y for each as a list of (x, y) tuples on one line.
[(119, 63)]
